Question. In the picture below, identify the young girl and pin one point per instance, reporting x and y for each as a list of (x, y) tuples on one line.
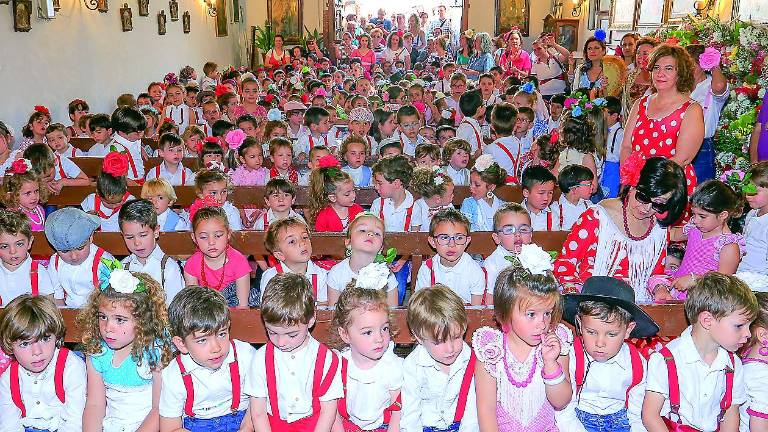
[(371, 372), (34, 131), (753, 414), (436, 190), (577, 144), (753, 268), (250, 172), (710, 244), (354, 150), (216, 264), (480, 207), (192, 137), (332, 196), (176, 109), (383, 125), (210, 151), (111, 192), (215, 184), (524, 376), (152, 116), (544, 152), (456, 158), (126, 341), (365, 240), (24, 190)]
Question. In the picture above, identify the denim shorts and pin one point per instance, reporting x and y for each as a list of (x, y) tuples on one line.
[(616, 422), (452, 428), (225, 423)]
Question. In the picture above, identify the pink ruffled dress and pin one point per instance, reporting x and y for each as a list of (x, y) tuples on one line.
[(244, 176)]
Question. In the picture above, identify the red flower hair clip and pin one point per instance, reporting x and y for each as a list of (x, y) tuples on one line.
[(629, 172), (42, 109), (555, 137), (205, 202), (212, 140), (20, 166), (168, 120), (115, 164), (221, 89), (329, 161)]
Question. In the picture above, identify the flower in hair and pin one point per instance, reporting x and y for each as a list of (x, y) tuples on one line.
[(630, 169), (199, 147), (554, 137), (599, 102), (221, 89), (600, 35), (321, 92), (528, 88), (20, 166), (171, 78), (373, 276), (269, 98), (483, 162), (112, 274), (439, 180), (235, 138), (42, 109), (570, 102), (709, 59), (274, 114), (577, 111), (535, 259), (205, 202), (329, 161), (446, 114), (115, 164), (169, 120)]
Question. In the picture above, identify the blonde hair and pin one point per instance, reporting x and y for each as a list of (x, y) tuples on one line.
[(720, 295), (287, 300), (12, 184), (360, 216), (436, 314), (423, 182), (517, 288), (30, 317), (352, 299), (158, 186), (192, 130), (353, 139)]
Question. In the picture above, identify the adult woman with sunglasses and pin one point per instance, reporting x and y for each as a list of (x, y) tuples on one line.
[(626, 237)]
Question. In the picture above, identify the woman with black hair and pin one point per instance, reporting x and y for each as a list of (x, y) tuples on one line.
[(626, 237)]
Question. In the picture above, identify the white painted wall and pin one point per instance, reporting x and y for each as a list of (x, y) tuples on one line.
[(85, 54)]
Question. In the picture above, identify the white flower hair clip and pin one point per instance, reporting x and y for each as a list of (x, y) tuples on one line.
[(535, 259), (483, 162), (373, 276)]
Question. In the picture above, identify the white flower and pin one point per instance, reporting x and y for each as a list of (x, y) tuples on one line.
[(439, 180), (761, 93), (123, 281), (373, 276), (535, 259), (483, 162)]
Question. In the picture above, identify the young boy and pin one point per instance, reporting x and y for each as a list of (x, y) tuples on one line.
[(524, 127), (57, 140), (202, 386), (390, 148), (111, 193), (555, 112), (316, 120), (140, 230), (100, 128), (612, 145), (211, 77), (317, 153), (452, 266), (457, 88), (611, 388), (696, 381), (281, 152), (294, 114), (19, 274), (211, 114), (488, 90), (511, 230), (279, 196), (507, 150), (444, 85), (44, 388), (78, 108), (444, 133), (56, 172), (471, 106), (575, 183), (162, 196), (171, 149), (285, 366), (538, 189), (456, 158), (438, 389), (408, 129), (176, 109), (427, 156), (129, 123), (289, 241), (75, 267)]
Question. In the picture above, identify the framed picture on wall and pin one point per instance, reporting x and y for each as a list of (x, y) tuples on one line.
[(22, 15), (679, 9), (186, 22), (173, 8), (512, 13), (126, 18), (622, 15), (751, 10), (286, 18), (567, 33), (143, 7), (651, 13), (221, 18), (161, 23)]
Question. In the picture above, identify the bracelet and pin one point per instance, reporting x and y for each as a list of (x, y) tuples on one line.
[(555, 381), (555, 375)]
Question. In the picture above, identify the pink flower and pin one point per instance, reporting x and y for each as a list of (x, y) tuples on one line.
[(569, 102), (329, 161), (235, 138), (709, 59)]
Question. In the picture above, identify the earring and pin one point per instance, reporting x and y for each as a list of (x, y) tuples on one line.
[(348, 252), (764, 349), (489, 195)]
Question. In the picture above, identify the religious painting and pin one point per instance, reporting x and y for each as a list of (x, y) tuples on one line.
[(567, 33), (126, 18), (102, 6), (56, 5), (221, 18), (681, 9), (751, 10), (143, 7), (622, 15), (173, 8), (286, 19), (161, 22), (186, 22), (651, 13), (512, 13), (22, 15)]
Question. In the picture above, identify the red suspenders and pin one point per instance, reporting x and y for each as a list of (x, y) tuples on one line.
[(97, 206), (183, 173), (477, 134), (469, 374), (549, 220), (234, 376), (637, 366), (34, 279), (62, 174), (266, 221), (509, 153), (279, 268), (58, 381), (342, 403), (408, 214)]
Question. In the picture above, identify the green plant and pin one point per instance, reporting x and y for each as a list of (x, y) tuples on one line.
[(314, 34), (264, 37)]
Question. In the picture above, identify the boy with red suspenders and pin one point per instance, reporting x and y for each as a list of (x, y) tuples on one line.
[(202, 386), (507, 150), (438, 391), (608, 373), (696, 382), (294, 381), (538, 185), (171, 149), (43, 389)]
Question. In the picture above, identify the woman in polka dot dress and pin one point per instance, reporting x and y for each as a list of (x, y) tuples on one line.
[(669, 123)]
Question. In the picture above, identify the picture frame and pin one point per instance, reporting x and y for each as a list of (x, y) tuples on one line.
[(286, 18), (22, 15), (162, 22), (186, 22), (56, 5), (622, 16), (679, 9), (513, 13), (102, 6), (221, 18), (651, 13), (143, 8), (173, 10), (236, 11), (750, 10), (126, 18), (567, 33)]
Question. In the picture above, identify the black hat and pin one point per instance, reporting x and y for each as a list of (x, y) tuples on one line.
[(611, 291)]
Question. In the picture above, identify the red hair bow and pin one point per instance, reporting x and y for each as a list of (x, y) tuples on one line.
[(42, 109), (207, 201), (629, 172), (221, 89), (168, 120)]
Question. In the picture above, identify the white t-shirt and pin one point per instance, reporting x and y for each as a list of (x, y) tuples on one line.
[(182, 173), (567, 212), (14, 283), (469, 130), (465, 278), (755, 377), (171, 274), (756, 237), (395, 219), (341, 274), (494, 264), (233, 216), (134, 152), (545, 220), (512, 145), (711, 104), (109, 217), (63, 164), (460, 177), (613, 142), (320, 276), (76, 281), (306, 142), (259, 224)]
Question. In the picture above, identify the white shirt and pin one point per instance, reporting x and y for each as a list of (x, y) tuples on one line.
[(549, 70), (409, 147), (357, 175), (38, 392), (604, 391), (494, 264), (179, 114), (294, 377), (469, 130), (465, 278), (756, 239), (613, 142), (422, 208), (312, 269), (63, 163), (341, 274), (553, 124), (134, 148), (213, 388), (175, 178), (702, 386), (515, 148), (70, 151), (540, 220), (395, 217), (14, 283), (303, 144), (108, 224), (711, 104), (368, 390), (207, 83), (569, 213), (171, 274), (755, 377), (233, 216), (430, 396), (75, 280), (98, 150), (182, 225), (258, 225), (460, 177)]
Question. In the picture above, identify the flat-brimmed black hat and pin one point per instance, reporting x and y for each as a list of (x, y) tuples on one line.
[(611, 291)]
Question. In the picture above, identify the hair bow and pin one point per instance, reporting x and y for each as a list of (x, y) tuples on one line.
[(630, 169), (42, 109), (205, 202), (112, 274), (274, 114), (169, 120), (20, 166)]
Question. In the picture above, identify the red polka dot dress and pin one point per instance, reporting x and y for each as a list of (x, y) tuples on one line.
[(658, 136)]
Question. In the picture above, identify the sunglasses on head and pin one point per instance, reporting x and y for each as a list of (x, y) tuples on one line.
[(644, 199)]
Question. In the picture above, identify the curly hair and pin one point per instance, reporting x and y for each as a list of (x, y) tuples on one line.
[(486, 44), (577, 133), (11, 187), (324, 182), (423, 182), (149, 313), (350, 300), (685, 80)]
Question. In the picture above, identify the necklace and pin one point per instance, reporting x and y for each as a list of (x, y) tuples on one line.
[(202, 272), (626, 225), (528, 379), (34, 212)]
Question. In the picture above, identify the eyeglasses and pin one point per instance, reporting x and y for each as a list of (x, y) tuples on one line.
[(410, 125), (445, 239), (512, 229), (584, 183), (644, 199)]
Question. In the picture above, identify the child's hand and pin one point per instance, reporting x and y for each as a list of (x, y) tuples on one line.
[(55, 186), (661, 294), (550, 348), (397, 265), (684, 283)]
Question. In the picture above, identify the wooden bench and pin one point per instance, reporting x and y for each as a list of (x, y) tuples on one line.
[(85, 144), (91, 166)]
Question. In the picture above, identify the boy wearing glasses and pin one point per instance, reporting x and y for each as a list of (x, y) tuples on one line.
[(575, 183), (408, 129), (511, 230), (452, 266)]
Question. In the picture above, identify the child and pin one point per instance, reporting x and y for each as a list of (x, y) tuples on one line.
[(281, 152), (129, 123), (577, 144), (527, 97), (279, 197), (354, 150), (100, 129), (34, 131), (515, 394), (471, 105), (755, 260), (444, 133), (371, 372), (394, 206), (456, 155), (55, 172), (251, 171), (675, 254), (77, 109), (318, 152), (701, 364), (511, 230), (480, 207), (487, 90), (162, 196), (23, 190), (140, 230), (111, 191), (752, 413), (408, 126), (523, 127), (427, 155), (556, 104), (49, 393), (193, 137), (710, 245), (216, 264), (211, 78), (288, 312), (332, 197), (612, 146), (317, 123), (215, 184), (575, 182), (608, 373), (202, 387), (360, 121), (19, 274), (458, 87), (436, 190), (171, 149), (210, 154), (438, 375), (390, 148), (56, 138), (294, 113), (538, 189), (452, 266), (365, 240), (507, 150), (211, 114), (126, 341)]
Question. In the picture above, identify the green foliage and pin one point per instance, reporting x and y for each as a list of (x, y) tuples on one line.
[(264, 37)]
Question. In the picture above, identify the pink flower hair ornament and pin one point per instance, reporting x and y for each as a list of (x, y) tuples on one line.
[(235, 138), (205, 202)]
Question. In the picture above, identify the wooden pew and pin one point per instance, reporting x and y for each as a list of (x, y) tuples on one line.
[(85, 144), (91, 166)]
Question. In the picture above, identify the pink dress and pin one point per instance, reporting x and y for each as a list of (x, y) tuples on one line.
[(243, 176), (36, 217), (222, 279)]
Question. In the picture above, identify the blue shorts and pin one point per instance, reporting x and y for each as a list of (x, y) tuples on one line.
[(616, 422), (26, 429), (611, 179), (452, 428), (225, 423), (704, 162)]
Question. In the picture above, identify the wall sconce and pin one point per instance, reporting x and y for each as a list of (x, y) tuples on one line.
[(701, 7), (99, 5), (577, 8), (211, 6)]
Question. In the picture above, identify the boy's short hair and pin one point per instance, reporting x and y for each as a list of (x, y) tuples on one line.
[(407, 111), (443, 128), (170, 140), (604, 312), (248, 118), (759, 174), (41, 157), (536, 175), (314, 115), (99, 121), (30, 317), (527, 112), (436, 314), (573, 175), (141, 211), (108, 185), (449, 215), (470, 102), (287, 300), (430, 150), (720, 295), (125, 100), (56, 127), (128, 120), (318, 148), (15, 222), (612, 105), (510, 207), (557, 99), (393, 168), (452, 145), (197, 309), (77, 104), (221, 127), (279, 142), (158, 186), (388, 145), (271, 239), (503, 118), (279, 185), (458, 76), (485, 75), (676, 250), (209, 67)]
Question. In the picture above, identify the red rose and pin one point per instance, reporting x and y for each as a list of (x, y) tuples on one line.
[(115, 164)]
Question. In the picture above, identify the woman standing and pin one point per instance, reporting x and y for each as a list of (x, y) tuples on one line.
[(590, 75), (419, 37), (515, 61), (482, 57), (628, 50), (465, 48), (639, 80), (365, 53), (277, 56), (395, 51), (547, 64)]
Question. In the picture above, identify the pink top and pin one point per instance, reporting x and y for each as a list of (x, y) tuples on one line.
[(366, 60), (521, 61), (235, 267), (36, 217), (703, 255), (244, 176)]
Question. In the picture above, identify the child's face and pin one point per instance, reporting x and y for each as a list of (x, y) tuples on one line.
[(385, 188), (212, 237), (409, 126), (367, 236), (143, 100), (426, 161), (253, 157), (5, 143), (363, 87), (323, 126), (211, 113), (101, 135), (531, 324), (540, 195), (368, 332), (555, 109), (289, 338), (446, 352), (212, 157), (602, 339), (77, 255), (671, 264), (216, 190), (231, 103), (518, 231), (29, 195), (251, 93), (161, 202), (392, 151), (34, 355), (731, 331), (206, 349), (450, 240), (294, 245), (156, 93), (191, 143), (706, 221), (459, 159), (360, 128), (457, 88), (14, 249), (172, 154), (314, 162), (388, 127), (139, 238), (477, 187), (150, 122), (446, 198), (191, 99), (444, 136), (758, 200), (582, 190), (117, 325), (345, 194), (522, 124), (174, 96), (57, 141), (249, 128), (428, 134), (277, 132), (280, 202), (415, 94), (486, 86), (39, 125), (75, 117), (521, 101)]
